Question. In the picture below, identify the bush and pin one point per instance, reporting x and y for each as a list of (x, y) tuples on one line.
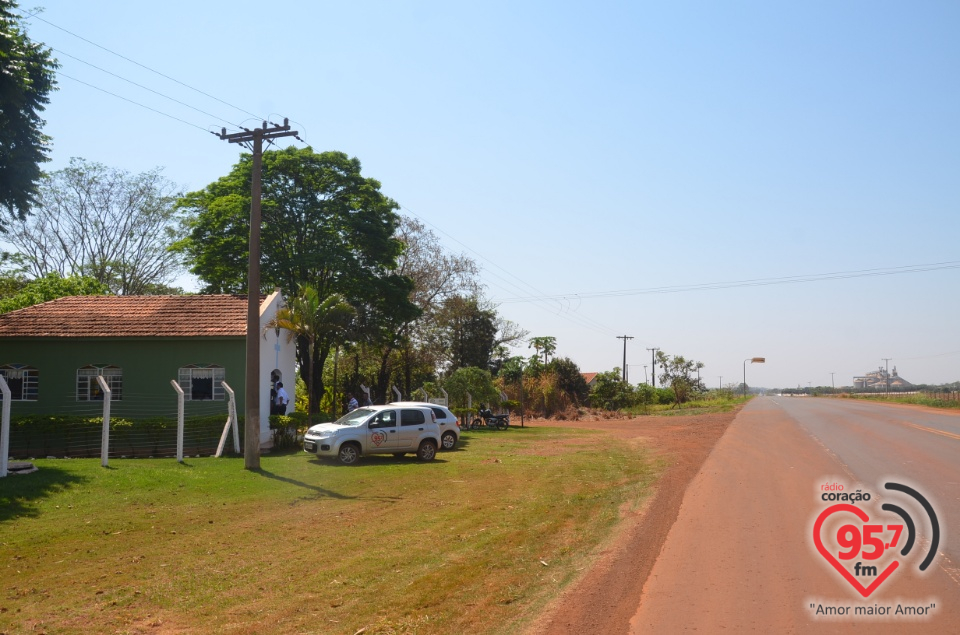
[(77, 436)]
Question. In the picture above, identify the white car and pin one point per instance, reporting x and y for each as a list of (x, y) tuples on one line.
[(448, 422), (387, 429)]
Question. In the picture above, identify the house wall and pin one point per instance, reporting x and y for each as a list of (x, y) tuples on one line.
[(148, 366), (277, 352)]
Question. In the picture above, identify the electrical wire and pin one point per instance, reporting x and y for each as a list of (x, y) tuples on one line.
[(155, 92), (135, 103), (144, 66), (543, 301), (757, 282)]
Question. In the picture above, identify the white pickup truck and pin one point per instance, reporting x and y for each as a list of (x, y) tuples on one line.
[(396, 430)]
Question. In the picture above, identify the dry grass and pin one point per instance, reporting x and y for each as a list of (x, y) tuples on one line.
[(475, 542)]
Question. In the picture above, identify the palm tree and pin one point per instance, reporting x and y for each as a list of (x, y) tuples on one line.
[(309, 319)]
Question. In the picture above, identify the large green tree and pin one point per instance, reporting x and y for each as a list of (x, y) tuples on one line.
[(324, 224), (49, 287), (26, 81)]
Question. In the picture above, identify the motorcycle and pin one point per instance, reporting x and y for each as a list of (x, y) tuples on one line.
[(490, 420)]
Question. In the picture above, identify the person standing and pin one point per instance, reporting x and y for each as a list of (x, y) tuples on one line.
[(352, 403), (282, 399)]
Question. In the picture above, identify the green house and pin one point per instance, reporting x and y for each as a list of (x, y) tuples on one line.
[(52, 353)]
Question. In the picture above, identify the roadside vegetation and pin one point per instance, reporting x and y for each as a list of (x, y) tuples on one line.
[(932, 399), (477, 541)]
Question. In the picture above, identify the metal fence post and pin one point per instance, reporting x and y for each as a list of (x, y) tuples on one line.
[(4, 426), (179, 390), (105, 435)]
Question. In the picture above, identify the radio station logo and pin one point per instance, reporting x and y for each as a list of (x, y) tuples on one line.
[(867, 542)]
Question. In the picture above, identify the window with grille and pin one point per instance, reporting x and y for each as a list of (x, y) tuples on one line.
[(88, 388), (23, 381), (201, 382)]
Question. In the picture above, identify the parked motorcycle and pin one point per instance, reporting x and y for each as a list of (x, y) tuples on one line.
[(490, 420)]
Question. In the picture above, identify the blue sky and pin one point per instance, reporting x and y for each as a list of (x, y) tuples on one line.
[(574, 149)]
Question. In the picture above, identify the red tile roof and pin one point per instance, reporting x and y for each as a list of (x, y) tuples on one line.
[(588, 377), (130, 316)]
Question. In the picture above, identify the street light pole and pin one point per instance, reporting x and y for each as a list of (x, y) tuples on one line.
[(752, 360)]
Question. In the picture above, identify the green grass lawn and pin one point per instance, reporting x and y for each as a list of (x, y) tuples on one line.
[(477, 541)]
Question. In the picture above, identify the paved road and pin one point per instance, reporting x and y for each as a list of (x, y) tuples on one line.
[(740, 557)]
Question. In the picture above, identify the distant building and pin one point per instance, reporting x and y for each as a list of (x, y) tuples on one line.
[(878, 380), (590, 378)]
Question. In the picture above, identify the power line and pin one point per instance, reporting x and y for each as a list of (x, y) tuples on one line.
[(155, 92), (580, 320), (758, 282), (144, 66), (135, 103)]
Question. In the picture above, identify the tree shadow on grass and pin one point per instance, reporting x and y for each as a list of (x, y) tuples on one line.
[(20, 493)]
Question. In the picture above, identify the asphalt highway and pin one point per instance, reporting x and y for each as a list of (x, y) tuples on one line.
[(742, 555)]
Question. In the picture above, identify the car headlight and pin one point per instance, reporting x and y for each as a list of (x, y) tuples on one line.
[(319, 434)]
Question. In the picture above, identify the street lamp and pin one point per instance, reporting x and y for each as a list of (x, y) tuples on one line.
[(752, 360)]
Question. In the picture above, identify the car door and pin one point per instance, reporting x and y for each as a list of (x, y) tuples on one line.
[(412, 423), (382, 432)]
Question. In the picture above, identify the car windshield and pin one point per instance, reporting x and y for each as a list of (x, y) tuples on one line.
[(354, 418)]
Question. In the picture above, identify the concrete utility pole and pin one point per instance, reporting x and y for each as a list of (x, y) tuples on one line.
[(624, 338), (251, 428), (832, 384), (887, 373), (653, 366)]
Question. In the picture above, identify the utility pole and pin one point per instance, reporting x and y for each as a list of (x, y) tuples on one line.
[(653, 366), (887, 374), (832, 384), (251, 429), (624, 338), (645, 373), (721, 381)]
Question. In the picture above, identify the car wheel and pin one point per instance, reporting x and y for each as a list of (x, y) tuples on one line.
[(426, 451), (448, 441), (475, 424), (349, 453)]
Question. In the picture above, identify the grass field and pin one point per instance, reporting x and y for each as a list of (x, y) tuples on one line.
[(477, 541)]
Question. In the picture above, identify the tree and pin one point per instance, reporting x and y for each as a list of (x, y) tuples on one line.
[(104, 223), (610, 392), (309, 320), (545, 345), (324, 224), (467, 333), (26, 80), (678, 373), (475, 381), (50, 287), (569, 379), (437, 276)]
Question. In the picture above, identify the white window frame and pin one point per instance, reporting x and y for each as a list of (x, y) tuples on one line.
[(87, 384), (30, 377), (188, 373)]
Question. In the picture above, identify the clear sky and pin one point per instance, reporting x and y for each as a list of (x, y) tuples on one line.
[(579, 149)]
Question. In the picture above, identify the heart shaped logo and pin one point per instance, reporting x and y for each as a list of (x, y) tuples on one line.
[(377, 438), (853, 538)]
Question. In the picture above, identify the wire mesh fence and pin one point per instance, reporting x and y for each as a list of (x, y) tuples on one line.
[(141, 425)]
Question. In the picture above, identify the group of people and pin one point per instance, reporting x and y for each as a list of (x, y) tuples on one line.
[(353, 404), (279, 400)]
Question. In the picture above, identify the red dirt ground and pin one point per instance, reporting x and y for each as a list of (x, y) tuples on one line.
[(605, 598)]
